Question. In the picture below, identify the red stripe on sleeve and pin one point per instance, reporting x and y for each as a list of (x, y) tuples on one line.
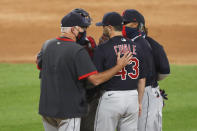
[(86, 75), (38, 67)]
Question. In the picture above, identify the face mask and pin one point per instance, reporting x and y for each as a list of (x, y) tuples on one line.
[(81, 38), (130, 32)]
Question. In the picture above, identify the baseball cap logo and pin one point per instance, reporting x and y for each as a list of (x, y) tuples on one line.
[(123, 39)]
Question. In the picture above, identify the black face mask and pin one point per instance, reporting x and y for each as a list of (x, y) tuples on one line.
[(81, 38), (131, 32)]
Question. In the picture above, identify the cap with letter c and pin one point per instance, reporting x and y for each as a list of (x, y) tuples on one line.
[(111, 18), (132, 15)]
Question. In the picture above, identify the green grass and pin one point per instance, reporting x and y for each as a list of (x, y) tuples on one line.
[(180, 112), (19, 97)]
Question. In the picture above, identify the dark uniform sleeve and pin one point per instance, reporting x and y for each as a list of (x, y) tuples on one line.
[(39, 58), (163, 66), (98, 59), (84, 65), (160, 57), (40, 55), (143, 67), (39, 62)]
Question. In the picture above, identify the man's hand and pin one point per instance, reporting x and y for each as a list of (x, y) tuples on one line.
[(140, 110), (101, 77), (125, 60)]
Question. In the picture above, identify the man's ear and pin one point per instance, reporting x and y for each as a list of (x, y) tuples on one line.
[(136, 24), (110, 27)]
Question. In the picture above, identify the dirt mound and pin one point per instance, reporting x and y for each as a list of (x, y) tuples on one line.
[(26, 24)]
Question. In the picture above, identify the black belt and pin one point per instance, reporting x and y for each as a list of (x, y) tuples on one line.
[(118, 90), (153, 85)]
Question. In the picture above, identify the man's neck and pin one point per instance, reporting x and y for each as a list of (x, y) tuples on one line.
[(116, 33), (70, 36)]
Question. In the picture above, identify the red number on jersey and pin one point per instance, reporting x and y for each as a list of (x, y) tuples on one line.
[(135, 67), (122, 74)]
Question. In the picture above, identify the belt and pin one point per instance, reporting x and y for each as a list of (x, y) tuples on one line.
[(153, 85), (121, 90)]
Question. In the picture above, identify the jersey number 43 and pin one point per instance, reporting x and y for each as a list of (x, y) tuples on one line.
[(123, 73)]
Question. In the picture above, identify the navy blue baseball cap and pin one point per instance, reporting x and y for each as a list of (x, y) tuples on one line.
[(73, 19), (83, 13), (132, 15), (111, 18)]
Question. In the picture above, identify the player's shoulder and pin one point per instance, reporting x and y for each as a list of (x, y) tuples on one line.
[(60, 40), (48, 43), (120, 39), (77, 47), (143, 43), (67, 43), (140, 40), (153, 42), (104, 44), (143, 40)]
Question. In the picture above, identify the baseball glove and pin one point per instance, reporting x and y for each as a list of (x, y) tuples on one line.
[(164, 95)]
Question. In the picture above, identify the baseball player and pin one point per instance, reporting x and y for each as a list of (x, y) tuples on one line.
[(64, 66), (87, 41), (92, 94), (151, 118), (119, 105)]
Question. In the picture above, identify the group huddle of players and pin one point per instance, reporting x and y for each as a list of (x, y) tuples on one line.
[(134, 29), (113, 104)]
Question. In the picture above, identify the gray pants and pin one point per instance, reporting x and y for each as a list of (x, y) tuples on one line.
[(152, 104), (53, 124), (117, 110)]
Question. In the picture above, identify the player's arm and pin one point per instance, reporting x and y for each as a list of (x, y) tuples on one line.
[(86, 69), (161, 60), (164, 69), (161, 76), (143, 71), (140, 89), (40, 54), (101, 77)]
